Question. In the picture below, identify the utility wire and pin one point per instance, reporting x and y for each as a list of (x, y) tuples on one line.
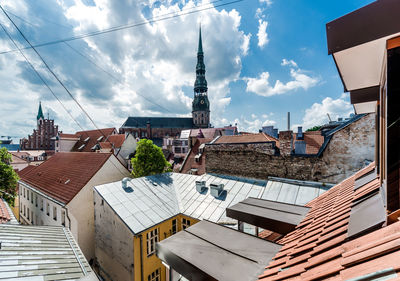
[(52, 72), (40, 76), (122, 27)]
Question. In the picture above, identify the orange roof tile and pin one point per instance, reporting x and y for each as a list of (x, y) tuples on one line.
[(116, 140), (191, 163), (65, 174), (92, 138), (4, 215), (25, 170), (319, 247)]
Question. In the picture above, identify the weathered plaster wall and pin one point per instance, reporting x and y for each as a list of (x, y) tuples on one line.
[(349, 150), (114, 243)]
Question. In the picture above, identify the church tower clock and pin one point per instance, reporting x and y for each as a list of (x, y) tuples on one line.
[(201, 104)]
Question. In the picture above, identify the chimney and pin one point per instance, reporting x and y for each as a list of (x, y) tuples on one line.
[(300, 135), (216, 189), (286, 142), (200, 186), (148, 129)]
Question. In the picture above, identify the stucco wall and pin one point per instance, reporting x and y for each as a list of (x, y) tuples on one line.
[(349, 150), (114, 243), (81, 207)]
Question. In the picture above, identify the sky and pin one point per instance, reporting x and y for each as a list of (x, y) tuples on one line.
[(263, 58)]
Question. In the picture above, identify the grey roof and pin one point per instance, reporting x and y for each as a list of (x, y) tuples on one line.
[(207, 251), (159, 122), (40, 253), (150, 200)]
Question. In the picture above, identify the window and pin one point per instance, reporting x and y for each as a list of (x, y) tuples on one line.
[(48, 209), (27, 195), (24, 211), (32, 197), (185, 223), (55, 213), (28, 214), (20, 190), (63, 217), (24, 192), (152, 238), (174, 226), (32, 217), (41, 204), (154, 276), (36, 200)]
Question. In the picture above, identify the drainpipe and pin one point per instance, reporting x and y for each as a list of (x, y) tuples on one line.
[(141, 257), (69, 220)]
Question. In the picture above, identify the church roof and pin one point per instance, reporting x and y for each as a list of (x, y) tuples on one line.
[(159, 122), (40, 112)]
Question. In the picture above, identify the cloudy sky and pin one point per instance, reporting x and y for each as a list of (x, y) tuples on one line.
[(263, 59)]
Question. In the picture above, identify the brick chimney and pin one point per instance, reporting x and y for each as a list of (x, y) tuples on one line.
[(286, 142), (148, 130)]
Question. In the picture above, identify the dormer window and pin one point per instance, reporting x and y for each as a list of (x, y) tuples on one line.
[(87, 139), (100, 138), (81, 147)]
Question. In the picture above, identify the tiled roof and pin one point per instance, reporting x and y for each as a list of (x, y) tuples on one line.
[(148, 201), (247, 138), (41, 253), (319, 248), (4, 214), (25, 170), (116, 140), (93, 136), (209, 133), (190, 162), (68, 136), (65, 174), (17, 160), (159, 122), (313, 141)]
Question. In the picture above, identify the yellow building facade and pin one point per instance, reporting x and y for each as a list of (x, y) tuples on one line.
[(148, 266)]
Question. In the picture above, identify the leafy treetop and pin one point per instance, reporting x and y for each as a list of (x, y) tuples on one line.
[(149, 160), (8, 177)]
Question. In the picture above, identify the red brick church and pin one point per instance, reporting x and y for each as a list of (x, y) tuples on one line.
[(41, 137)]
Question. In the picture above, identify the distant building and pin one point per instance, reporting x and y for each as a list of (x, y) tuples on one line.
[(327, 156), (41, 138), (131, 216), (156, 128), (59, 192)]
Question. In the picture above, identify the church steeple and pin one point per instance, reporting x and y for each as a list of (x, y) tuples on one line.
[(200, 105), (200, 86), (40, 112)]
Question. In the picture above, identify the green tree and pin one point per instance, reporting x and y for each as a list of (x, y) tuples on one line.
[(149, 160), (8, 177), (315, 128)]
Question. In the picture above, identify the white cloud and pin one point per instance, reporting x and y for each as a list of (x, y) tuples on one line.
[(289, 62), (154, 62), (267, 2), (246, 44), (262, 34), (262, 86), (317, 114), (245, 125)]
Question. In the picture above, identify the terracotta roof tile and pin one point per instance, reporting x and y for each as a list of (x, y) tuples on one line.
[(87, 139), (4, 215), (68, 136), (191, 163), (319, 247), (65, 174), (25, 170), (116, 140)]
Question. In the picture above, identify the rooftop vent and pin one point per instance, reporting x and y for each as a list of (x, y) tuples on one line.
[(87, 139), (100, 138), (81, 147), (216, 189), (200, 186), (125, 182)]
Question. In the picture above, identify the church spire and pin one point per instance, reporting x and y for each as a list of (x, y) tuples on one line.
[(200, 85), (40, 112)]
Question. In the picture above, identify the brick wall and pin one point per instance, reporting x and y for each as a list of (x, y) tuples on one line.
[(349, 150)]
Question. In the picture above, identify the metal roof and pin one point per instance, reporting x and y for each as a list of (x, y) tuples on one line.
[(159, 122), (40, 253), (207, 251), (275, 216), (150, 200)]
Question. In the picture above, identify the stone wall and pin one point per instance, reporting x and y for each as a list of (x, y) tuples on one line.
[(348, 150)]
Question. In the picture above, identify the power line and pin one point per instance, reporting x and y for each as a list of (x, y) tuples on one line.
[(122, 27), (38, 74), (52, 72)]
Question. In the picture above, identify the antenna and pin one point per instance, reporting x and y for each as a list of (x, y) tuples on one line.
[(329, 117)]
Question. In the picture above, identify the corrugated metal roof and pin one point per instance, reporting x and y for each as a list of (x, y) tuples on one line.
[(153, 199), (40, 253)]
